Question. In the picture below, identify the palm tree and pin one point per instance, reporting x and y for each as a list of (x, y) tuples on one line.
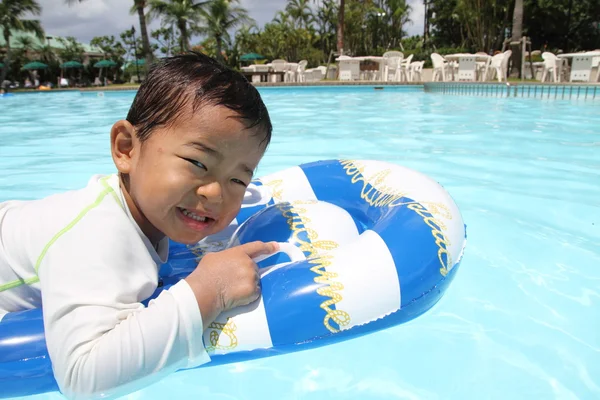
[(138, 7), (220, 16), (46, 53), (517, 33), (184, 14), (11, 18), (517, 25), (301, 12), (397, 14), (340, 28)]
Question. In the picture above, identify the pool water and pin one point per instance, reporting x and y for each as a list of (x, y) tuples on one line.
[(522, 318)]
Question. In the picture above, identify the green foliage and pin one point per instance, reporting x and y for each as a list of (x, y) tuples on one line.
[(111, 47), (13, 17), (547, 22), (483, 25), (72, 50), (168, 39)]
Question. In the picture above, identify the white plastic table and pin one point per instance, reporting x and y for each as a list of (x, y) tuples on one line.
[(469, 65), (581, 66)]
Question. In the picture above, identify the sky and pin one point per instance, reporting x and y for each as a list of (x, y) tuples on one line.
[(111, 17)]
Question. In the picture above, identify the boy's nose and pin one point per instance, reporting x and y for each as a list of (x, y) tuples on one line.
[(212, 192)]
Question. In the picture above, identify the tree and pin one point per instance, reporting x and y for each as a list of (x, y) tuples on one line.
[(326, 20), (167, 39), (111, 47), (340, 27), (563, 24), (11, 18), (301, 12), (184, 14), (138, 7), (221, 16), (397, 12), (517, 34), (71, 50)]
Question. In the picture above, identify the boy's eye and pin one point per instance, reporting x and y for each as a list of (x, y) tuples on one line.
[(196, 163), (239, 182)]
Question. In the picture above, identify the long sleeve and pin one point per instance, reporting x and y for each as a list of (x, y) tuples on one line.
[(102, 341)]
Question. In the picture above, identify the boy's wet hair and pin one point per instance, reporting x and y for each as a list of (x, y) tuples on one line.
[(175, 83)]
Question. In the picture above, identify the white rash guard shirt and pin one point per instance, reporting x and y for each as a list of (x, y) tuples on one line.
[(83, 254)]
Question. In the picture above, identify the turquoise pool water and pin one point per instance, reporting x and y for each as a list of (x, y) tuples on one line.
[(522, 318)]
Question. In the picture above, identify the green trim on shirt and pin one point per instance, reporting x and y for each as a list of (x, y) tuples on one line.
[(34, 279), (14, 284)]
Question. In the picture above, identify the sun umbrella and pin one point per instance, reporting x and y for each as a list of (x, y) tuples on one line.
[(251, 57), (105, 64), (72, 64), (34, 65)]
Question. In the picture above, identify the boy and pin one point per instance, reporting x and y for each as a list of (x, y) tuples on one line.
[(193, 136)]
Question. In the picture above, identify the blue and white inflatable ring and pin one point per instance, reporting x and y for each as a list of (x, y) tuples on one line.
[(365, 245)]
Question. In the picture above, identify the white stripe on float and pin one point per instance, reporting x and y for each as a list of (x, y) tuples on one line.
[(289, 185), (369, 288), (248, 330)]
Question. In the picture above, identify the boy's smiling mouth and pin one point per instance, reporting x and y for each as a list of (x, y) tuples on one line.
[(194, 219)]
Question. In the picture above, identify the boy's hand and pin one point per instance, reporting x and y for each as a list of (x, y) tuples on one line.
[(228, 279)]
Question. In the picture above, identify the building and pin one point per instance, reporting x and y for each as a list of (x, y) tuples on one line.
[(57, 43)]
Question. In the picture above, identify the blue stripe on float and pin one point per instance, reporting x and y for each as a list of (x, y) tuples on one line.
[(292, 304), (25, 366), (30, 341), (18, 316), (247, 212), (267, 225), (412, 246), (332, 184), (26, 377)]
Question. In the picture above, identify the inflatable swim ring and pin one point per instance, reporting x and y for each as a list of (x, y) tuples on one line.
[(365, 245)]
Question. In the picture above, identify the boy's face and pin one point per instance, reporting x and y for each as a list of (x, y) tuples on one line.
[(187, 181)]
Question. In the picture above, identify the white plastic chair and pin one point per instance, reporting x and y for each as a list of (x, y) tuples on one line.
[(416, 68), (301, 70), (481, 67), (505, 61), (393, 53), (404, 71), (439, 67), (551, 65), (495, 67), (596, 64), (392, 64)]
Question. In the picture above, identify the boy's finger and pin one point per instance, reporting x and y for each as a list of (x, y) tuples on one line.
[(258, 248)]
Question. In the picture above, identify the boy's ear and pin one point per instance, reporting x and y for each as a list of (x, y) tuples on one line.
[(122, 137)]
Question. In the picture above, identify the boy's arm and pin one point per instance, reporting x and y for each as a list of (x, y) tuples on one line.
[(102, 341)]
